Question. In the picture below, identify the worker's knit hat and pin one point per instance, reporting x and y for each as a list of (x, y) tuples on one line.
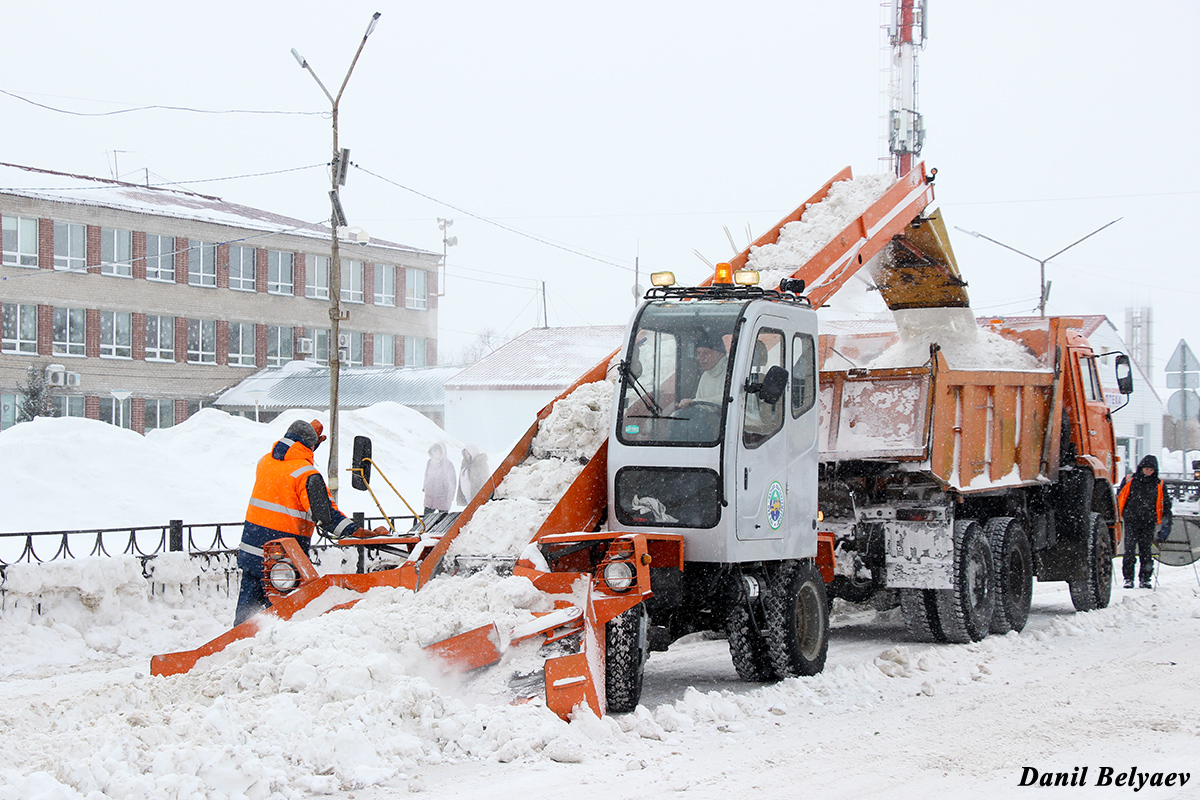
[(302, 432)]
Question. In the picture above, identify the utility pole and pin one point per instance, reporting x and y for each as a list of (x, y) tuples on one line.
[(340, 164)]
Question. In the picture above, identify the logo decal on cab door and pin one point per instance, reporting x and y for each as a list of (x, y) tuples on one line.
[(775, 505)]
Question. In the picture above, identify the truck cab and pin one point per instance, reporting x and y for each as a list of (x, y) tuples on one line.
[(715, 430)]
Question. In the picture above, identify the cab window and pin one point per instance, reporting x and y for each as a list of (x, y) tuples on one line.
[(763, 420), (804, 373)]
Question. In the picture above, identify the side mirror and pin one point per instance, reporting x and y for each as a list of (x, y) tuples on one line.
[(773, 385), (360, 465), (1124, 374)]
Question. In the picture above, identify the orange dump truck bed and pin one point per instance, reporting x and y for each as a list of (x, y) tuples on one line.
[(973, 429)]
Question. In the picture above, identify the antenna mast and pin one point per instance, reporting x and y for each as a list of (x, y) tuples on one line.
[(906, 129)]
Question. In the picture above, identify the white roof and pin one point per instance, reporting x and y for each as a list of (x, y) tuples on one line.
[(62, 187), (542, 358)]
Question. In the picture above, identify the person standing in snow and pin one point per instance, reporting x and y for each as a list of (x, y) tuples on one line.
[(1146, 508), (472, 474), (439, 480), (288, 500)]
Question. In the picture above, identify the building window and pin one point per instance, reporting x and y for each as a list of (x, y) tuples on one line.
[(241, 269), (352, 281), (202, 264), (18, 324), (160, 413), (20, 241), (320, 340), (352, 356), (280, 269), (316, 278), (70, 326), (385, 350), (241, 344), (116, 252), (114, 412), (160, 258), (279, 345), (68, 406), (160, 338), (385, 285), (116, 334), (8, 410), (70, 246), (415, 296), (202, 341), (414, 351)]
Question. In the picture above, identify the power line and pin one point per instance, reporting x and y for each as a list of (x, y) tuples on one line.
[(127, 185), (160, 108), (473, 215)]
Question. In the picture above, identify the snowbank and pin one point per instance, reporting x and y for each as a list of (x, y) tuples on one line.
[(76, 473)]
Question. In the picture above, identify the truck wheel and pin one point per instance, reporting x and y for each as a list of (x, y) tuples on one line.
[(627, 646), (747, 646), (1012, 562), (1095, 589), (797, 619), (965, 610), (919, 609)]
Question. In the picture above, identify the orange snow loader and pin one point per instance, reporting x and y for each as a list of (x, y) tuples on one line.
[(700, 511)]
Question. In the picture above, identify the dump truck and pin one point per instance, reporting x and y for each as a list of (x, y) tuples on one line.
[(719, 499), (952, 486)]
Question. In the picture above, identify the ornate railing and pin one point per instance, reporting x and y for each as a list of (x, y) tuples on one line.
[(215, 543)]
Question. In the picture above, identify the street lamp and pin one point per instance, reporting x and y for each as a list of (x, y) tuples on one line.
[(1045, 293), (337, 219), (448, 241)]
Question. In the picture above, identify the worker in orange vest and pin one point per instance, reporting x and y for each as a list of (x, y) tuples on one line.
[(1146, 509), (289, 499)]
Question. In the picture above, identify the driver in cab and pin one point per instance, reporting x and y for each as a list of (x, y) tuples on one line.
[(710, 355)]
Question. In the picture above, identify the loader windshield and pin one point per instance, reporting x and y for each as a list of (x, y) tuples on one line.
[(675, 375)]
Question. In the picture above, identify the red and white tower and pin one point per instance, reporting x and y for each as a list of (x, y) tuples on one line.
[(906, 130)]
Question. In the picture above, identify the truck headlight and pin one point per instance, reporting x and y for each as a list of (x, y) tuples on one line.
[(620, 576)]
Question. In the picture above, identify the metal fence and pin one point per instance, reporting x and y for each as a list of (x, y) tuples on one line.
[(214, 543)]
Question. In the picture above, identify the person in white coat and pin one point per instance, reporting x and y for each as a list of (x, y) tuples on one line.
[(439, 480)]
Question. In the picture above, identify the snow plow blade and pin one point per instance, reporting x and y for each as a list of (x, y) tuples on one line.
[(467, 651)]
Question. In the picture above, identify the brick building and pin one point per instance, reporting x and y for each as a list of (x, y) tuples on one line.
[(142, 304)]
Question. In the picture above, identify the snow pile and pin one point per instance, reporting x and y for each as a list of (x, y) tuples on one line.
[(566, 440), (801, 240), (201, 470), (347, 702), (964, 344)]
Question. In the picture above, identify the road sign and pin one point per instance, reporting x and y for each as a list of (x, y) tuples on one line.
[(1183, 359), (1183, 380), (1184, 404)]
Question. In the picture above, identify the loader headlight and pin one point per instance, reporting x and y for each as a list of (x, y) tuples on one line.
[(283, 577), (620, 576)]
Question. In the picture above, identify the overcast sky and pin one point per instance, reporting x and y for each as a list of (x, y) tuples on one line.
[(568, 140)]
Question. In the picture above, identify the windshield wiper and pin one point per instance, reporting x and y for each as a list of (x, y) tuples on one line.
[(643, 395)]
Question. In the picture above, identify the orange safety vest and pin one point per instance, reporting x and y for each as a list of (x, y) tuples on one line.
[(1123, 496), (280, 497)]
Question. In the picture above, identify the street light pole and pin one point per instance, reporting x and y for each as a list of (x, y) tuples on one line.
[(1041, 261), (337, 219)]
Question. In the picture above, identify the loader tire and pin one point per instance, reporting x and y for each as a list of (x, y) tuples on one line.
[(796, 614), (919, 609), (1095, 589), (627, 646), (965, 610), (747, 646), (1012, 564)]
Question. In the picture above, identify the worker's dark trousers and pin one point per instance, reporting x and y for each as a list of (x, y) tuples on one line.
[(1138, 540), (251, 598)]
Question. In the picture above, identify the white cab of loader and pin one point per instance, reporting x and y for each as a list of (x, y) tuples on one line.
[(715, 426)]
